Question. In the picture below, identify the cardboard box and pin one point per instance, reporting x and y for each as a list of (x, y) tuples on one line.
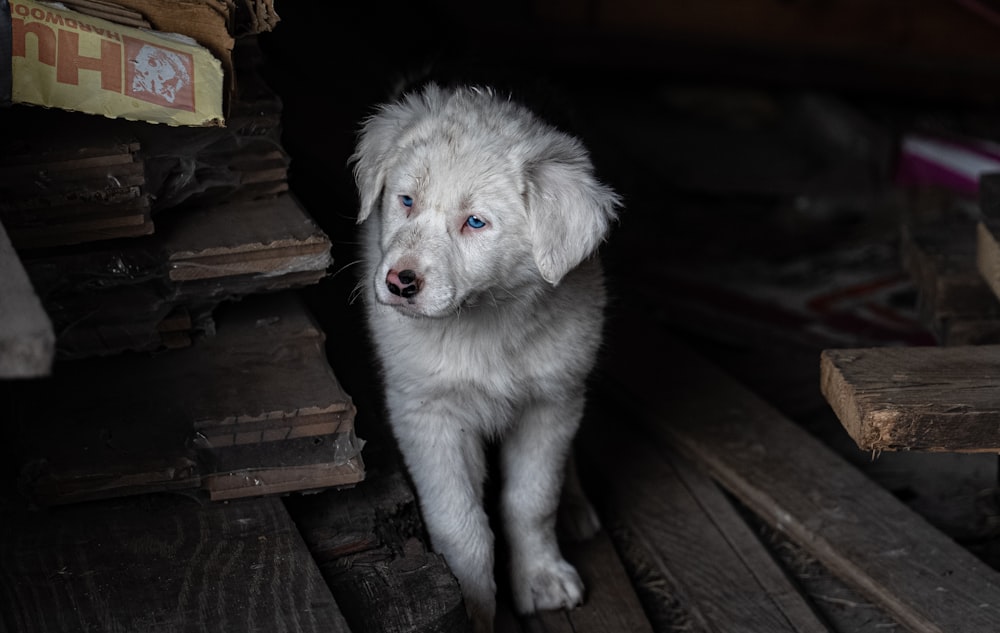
[(68, 60)]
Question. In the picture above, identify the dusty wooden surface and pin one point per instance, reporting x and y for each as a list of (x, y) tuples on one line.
[(916, 398), (369, 544), (797, 485), (164, 563), (273, 236), (27, 342), (720, 575)]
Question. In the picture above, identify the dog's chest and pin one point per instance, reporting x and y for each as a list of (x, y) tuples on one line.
[(510, 359)]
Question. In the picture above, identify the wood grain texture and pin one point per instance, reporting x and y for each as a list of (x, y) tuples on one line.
[(857, 530), (369, 543), (410, 590), (723, 577), (916, 398), (273, 236), (162, 563), (27, 341)]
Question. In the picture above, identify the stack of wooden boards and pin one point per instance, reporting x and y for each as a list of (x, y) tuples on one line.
[(152, 249), (207, 207), (941, 398), (191, 386), (252, 410)]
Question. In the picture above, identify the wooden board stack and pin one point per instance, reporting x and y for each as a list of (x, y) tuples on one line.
[(225, 225), (186, 364), (955, 303), (72, 189), (253, 410), (933, 398), (241, 404)]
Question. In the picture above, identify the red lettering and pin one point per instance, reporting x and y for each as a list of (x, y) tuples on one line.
[(45, 38), (109, 64)]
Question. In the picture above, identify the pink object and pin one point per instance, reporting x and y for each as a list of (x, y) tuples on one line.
[(956, 165)]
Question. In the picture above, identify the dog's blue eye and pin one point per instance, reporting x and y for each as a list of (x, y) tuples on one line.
[(474, 223), (406, 200)]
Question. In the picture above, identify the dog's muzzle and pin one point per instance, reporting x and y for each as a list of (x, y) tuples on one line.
[(404, 283)]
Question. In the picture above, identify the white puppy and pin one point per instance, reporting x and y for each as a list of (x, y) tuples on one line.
[(485, 303)]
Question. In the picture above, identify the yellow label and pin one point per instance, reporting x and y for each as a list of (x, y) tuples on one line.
[(63, 59)]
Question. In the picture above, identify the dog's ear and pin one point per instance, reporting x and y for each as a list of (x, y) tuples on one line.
[(371, 156), (380, 138), (569, 210)]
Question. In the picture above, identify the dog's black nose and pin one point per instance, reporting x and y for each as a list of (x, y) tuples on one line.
[(403, 283)]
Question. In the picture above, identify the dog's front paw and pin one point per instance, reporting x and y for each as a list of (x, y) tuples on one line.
[(543, 587)]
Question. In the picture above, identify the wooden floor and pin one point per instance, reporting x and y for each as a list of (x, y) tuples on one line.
[(720, 514)]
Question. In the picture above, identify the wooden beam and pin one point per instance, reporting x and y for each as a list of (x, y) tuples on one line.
[(916, 398), (856, 529), (27, 342), (367, 543)]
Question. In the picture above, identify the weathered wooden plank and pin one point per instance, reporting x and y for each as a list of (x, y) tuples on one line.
[(63, 150), (988, 252), (916, 398), (856, 529), (27, 341), (988, 232), (268, 236), (67, 233), (276, 480), (110, 299), (722, 576), (380, 512), (955, 302), (165, 563), (410, 590), (368, 542)]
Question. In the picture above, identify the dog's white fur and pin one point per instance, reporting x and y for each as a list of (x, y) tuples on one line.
[(491, 331)]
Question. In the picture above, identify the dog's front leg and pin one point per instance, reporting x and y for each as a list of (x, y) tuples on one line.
[(534, 456), (447, 463)]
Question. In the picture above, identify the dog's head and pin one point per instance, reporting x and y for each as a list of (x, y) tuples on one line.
[(475, 198)]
